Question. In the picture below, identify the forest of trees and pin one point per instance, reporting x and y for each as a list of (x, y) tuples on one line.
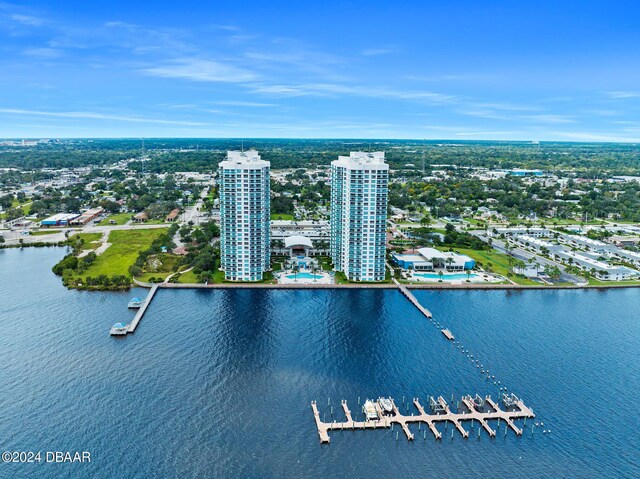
[(170, 155)]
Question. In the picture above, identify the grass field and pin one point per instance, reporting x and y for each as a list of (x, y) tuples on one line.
[(188, 277), (44, 232), (147, 276), (281, 216), (119, 218), (26, 208), (89, 239), (597, 282), (123, 252), (499, 262)]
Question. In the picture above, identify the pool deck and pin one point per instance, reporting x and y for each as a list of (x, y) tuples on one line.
[(471, 413)]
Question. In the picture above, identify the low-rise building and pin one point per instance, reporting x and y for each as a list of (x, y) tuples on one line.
[(429, 259), (61, 219), (87, 216), (173, 215)]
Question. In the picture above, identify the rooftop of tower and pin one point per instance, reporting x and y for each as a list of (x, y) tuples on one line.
[(249, 158), (362, 159)]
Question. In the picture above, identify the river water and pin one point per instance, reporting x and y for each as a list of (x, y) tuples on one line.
[(218, 383)]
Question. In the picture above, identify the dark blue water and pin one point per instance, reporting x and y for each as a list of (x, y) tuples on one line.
[(218, 383)]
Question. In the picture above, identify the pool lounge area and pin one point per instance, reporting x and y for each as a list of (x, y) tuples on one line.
[(304, 270), (454, 278), (305, 277)]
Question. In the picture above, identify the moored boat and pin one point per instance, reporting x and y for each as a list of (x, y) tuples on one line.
[(386, 404), (370, 411)]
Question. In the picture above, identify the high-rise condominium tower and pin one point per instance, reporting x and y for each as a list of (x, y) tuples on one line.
[(359, 191), (245, 216)]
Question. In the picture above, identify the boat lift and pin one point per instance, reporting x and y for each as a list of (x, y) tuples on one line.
[(438, 406), (510, 400), (478, 401)]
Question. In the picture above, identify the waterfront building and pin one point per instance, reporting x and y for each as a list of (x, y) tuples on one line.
[(428, 259), (359, 194), (244, 216)]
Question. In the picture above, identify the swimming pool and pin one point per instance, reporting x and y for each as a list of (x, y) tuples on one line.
[(304, 276), (446, 276)]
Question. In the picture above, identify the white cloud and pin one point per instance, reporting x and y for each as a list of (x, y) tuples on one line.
[(200, 70), (28, 20), (621, 95), (370, 52), (96, 116), (243, 103), (45, 53), (559, 119)]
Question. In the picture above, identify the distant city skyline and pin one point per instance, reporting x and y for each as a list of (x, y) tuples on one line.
[(504, 70)]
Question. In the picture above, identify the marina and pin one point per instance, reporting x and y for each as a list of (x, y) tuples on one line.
[(193, 371), (473, 409)]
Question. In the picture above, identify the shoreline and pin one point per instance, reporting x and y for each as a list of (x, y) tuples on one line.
[(379, 286)]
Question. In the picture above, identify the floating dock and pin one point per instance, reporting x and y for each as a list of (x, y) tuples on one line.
[(474, 412), (448, 334), (403, 289)]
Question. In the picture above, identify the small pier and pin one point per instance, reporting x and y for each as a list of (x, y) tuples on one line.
[(403, 289), (477, 409), (143, 308), (121, 330)]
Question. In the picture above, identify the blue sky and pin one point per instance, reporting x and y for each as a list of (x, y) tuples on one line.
[(521, 70)]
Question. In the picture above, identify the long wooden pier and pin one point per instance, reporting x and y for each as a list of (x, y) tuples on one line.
[(473, 413), (143, 309), (403, 289)]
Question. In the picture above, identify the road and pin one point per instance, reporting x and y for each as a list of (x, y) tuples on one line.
[(192, 213), (523, 255), (14, 237)]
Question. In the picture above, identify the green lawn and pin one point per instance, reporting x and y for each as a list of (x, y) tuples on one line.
[(597, 282), (282, 216), (147, 276), (499, 261), (26, 208), (119, 218), (188, 277), (44, 232), (89, 239), (123, 252)]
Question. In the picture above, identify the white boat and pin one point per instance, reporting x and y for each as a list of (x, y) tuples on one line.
[(386, 404), (370, 411), (119, 329), (135, 303)]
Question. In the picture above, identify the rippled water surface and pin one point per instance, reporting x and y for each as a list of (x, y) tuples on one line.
[(219, 383)]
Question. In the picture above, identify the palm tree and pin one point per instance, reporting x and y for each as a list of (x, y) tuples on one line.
[(449, 261), (296, 268), (440, 274), (433, 262), (468, 271)]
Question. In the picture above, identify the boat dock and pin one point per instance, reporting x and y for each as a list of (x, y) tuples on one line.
[(143, 309), (476, 409), (403, 289), (121, 330)]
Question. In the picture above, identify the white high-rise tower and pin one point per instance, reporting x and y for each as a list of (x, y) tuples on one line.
[(245, 216), (359, 195)]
